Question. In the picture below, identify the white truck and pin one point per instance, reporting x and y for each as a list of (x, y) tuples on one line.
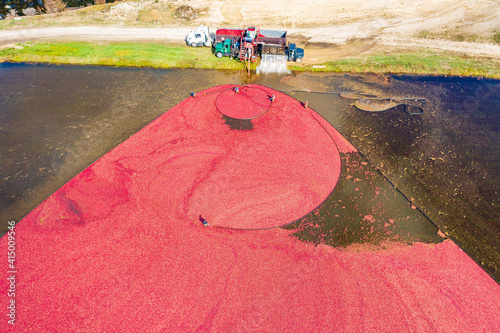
[(199, 37)]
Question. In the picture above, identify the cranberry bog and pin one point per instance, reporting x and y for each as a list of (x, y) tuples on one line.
[(120, 247)]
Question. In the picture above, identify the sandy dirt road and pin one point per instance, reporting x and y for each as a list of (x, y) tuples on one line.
[(328, 30)]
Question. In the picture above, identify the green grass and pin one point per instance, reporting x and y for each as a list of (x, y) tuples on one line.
[(178, 56), (412, 63), (119, 54), (496, 37)]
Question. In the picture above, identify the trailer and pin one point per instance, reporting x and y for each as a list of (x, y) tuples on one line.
[(273, 37), (222, 34)]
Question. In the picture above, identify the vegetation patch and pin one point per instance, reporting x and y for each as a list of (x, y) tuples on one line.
[(95, 8), (496, 37), (120, 55), (458, 35), (186, 13), (428, 63)]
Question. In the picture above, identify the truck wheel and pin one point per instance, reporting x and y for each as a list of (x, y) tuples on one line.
[(218, 54), (193, 44), (298, 60)]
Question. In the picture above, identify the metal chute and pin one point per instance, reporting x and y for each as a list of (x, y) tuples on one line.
[(271, 63)]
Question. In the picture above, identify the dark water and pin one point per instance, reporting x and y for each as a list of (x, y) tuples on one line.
[(56, 120)]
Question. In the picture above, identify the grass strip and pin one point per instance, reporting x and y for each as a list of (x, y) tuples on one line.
[(178, 56), (119, 55), (423, 63)]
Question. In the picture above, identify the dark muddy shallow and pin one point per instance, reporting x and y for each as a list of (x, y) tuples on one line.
[(56, 120)]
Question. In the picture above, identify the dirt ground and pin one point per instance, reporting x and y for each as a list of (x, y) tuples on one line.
[(334, 29), (327, 29)]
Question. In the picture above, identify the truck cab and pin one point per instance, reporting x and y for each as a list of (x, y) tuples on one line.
[(224, 49), (295, 53), (199, 37)]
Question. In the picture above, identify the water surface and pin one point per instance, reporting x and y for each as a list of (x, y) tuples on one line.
[(57, 120)]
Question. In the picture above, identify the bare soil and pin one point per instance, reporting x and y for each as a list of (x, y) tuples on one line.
[(328, 29)]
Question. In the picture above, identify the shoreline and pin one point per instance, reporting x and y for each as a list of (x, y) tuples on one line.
[(173, 55)]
